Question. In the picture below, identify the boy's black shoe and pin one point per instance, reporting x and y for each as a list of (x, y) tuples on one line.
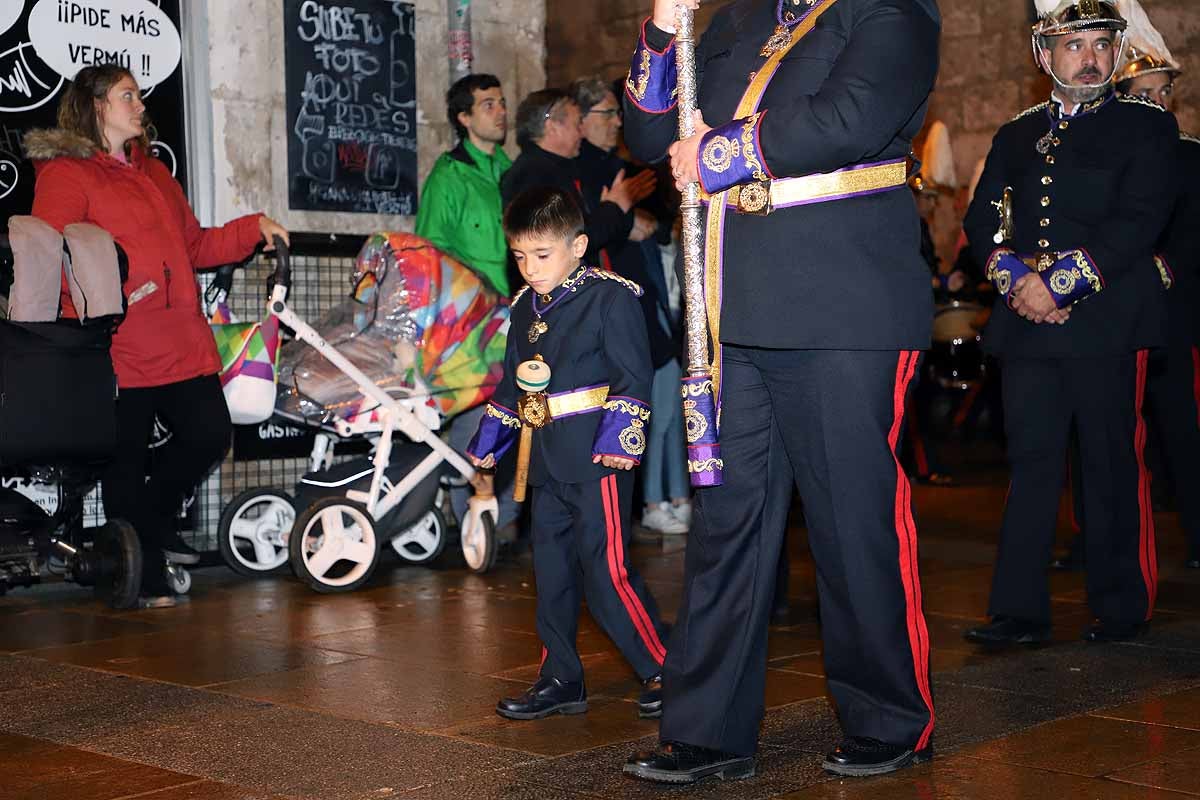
[(1101, 631), (858, 756), (178, 551), (1009, 630), (650, 700), (676, 762), (546, 697)]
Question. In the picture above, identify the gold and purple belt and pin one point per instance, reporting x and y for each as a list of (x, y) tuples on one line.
[(577, 401), (763, 197)]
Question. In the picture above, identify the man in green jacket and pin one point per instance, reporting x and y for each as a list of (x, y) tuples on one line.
[(460, 207)]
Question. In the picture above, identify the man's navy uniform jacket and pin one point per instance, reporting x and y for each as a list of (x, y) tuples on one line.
[(1093, 205), (843, 275), (595, 337)]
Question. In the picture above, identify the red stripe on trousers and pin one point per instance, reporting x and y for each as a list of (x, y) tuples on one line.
[(542, 663), (1148, 554), (906, 532), (1196, 380), (620, 577)]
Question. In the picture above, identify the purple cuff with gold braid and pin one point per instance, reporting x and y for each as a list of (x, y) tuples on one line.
[(1165, 273), (1072, 278), (700, 420), (622, 431), (1004, 269), (497, 432), (651, 84), (732, 154)]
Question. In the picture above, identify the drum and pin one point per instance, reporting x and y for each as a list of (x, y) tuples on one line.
[(956, 360)]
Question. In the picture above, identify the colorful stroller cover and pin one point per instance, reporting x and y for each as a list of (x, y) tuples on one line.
[(417, 323)]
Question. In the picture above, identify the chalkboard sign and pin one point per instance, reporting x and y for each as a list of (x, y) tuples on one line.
[(45, 42), (351, 105)]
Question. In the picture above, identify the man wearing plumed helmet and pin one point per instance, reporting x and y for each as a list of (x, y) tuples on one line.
[(1066, 222)]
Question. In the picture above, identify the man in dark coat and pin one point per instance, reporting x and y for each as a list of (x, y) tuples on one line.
[(825, 304)]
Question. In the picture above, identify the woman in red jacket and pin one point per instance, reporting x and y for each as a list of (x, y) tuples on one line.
[(97, 168)]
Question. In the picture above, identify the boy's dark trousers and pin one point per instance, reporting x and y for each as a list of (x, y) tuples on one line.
[(581, 539)]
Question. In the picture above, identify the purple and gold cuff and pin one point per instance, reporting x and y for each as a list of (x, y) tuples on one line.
[(622, 431), (732, 154), (1004, 269), (1072, 278), (497, 432), (651, 84), (1165, 273)]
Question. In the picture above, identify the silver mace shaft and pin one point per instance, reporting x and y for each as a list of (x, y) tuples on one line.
[(692, 236)]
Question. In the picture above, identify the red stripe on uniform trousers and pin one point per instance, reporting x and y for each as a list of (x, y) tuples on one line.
[(1196, 380), (1146, 546), (620, 577), (906, 534), (542, 663)]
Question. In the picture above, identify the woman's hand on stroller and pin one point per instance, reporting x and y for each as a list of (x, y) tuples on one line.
[(614, 462), (270, 229), (487, 462)]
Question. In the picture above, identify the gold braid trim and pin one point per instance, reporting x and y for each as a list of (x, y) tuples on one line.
[(1086, 269), (1137, 99), (706, 466), (1032, 110), (626, 407), (638, 88), (604, 275), (749, 151), (508, 420)]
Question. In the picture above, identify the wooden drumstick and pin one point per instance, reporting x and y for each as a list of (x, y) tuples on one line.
[(533, 378)]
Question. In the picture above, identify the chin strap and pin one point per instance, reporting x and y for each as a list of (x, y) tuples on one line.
[(1043, 62)]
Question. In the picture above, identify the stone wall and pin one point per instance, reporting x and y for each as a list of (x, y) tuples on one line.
[(249, 117)]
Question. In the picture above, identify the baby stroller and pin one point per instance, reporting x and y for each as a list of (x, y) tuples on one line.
[(58, 413), (419, 341)]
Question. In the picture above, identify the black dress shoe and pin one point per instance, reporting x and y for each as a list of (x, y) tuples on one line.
[(676, 762), (1009, 630), (650, 700), (1101, 631), (547, 696), (858, 756)]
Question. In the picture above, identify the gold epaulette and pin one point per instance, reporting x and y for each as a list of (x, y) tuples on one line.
[(1137, 99), (1187, 137), (612, 276), (1034, 110)]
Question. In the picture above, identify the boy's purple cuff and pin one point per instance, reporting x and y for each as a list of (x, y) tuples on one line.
[(732, 154), (497, 432), (622, 430), (652, 81), (1072, 278)]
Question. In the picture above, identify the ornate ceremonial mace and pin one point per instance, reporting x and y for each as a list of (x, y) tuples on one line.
[(699, 398)]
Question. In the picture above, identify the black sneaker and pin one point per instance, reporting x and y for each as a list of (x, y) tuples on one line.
[(177, 551), (676, 763), (859, 757), (650, 700)]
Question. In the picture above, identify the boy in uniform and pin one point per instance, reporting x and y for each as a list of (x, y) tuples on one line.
[(584, 328)]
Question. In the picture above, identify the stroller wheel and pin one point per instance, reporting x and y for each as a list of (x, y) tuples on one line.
[(423, 542), (117, 563), (179, 579), (479, 539), (254, 529), (333, 546)]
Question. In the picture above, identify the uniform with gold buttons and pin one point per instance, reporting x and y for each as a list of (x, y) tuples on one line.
[(1084, 212), (591, 333)]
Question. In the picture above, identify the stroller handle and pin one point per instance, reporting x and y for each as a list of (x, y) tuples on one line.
[(283, 264)]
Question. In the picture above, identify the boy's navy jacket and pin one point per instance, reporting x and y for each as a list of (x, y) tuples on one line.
[(595, 337)]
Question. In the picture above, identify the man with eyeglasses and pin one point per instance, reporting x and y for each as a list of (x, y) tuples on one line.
[(460, 207), (550, 132)]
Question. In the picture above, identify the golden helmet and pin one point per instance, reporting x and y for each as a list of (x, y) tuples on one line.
[(1146, 52)]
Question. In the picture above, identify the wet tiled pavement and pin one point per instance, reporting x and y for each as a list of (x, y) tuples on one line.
[(262, 689)]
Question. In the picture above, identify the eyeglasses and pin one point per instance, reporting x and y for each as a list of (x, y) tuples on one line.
[(608, 112)]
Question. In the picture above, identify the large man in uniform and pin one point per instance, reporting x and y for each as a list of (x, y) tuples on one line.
[(1066, 223), (1149, 71), (826, 304)]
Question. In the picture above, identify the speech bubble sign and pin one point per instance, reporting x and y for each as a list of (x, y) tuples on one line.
[(72, 34)]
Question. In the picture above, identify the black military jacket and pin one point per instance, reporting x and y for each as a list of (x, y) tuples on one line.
[(1104, 186), (595, 336), (1180, 249), (846, 274)]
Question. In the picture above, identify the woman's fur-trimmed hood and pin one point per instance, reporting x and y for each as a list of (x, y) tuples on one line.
[(43, 145)]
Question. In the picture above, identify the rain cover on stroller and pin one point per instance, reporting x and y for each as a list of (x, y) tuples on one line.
[(418, 323)]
